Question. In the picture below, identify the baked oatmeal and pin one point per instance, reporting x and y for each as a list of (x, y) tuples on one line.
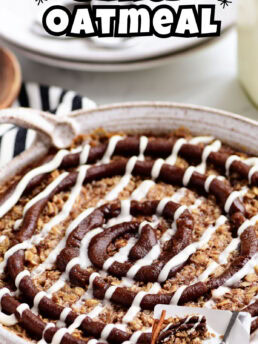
[(94, 237)]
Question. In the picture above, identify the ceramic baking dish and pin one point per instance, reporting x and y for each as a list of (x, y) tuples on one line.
[(156, 117)]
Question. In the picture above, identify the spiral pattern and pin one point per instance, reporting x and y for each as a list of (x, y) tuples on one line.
[(82, 256)]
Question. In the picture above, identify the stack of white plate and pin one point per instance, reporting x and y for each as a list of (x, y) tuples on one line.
[(20, 27)]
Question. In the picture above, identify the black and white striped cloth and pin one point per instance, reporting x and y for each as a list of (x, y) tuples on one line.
[(14, 140)]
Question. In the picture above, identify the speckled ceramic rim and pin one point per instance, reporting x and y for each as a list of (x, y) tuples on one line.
[(157, 117)]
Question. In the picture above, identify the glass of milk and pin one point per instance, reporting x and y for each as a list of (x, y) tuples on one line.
[(248, 47)]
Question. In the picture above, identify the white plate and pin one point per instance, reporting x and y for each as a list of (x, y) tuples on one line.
[(107, 67), (17, 18)]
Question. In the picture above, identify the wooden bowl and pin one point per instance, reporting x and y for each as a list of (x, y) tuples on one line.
[(10, 78)]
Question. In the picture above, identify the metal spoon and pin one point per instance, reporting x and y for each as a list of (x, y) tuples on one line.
[(230, 326)]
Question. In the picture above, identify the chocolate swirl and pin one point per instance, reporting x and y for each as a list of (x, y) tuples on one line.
[(189, 324), (167, 260)]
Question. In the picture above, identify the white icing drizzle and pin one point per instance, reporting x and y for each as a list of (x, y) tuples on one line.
[(223, 257), (214, 147), (2, 238), (206, 273), (254, 163), (201, 168), (208, 182), (58, 336), (127, 282), (230, 161), (196, 325), (22, 308), (135, 336), (36, 239), (110, 149), (7, 320), (63, 316), (84, 154), (106, 331), (142, 190), (143, 145), (177, 296), (92, 278), (58, 219), (83, 258), (219, 292), (51, 258), (162, 204), (93, 341), (57, 339), (179, 212), (121, 256), (175, 151), (20, 276), (95, 312), (176, 197), (188, 175), (124, 214), (147, 260), (233, 196), (209, 304), (135, 307), (155, 172), (59, 284), (113, 194), (49, 167), (247, 224), (40, 196), (48, 326), (110, 291), (67, 206), (201, 139), (3, 292), (10, 252), (238, 276), (123, 253), (37, 299), (182, 256), (177, 146), (249, 266), (77, 323)]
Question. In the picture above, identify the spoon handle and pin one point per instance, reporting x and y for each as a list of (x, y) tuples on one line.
[(57, 131), (230, 326)]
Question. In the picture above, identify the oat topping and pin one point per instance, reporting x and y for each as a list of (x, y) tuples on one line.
[(90, 242)]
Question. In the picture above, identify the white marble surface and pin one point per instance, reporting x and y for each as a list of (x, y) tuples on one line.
[(207, 76)]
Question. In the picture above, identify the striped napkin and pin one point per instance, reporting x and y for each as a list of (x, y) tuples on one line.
[(14, 140)]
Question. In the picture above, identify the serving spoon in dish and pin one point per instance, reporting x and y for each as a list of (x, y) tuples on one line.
[(55, 131), (10, 78)]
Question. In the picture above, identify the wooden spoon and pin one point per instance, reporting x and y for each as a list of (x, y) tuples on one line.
[(10, 78)]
